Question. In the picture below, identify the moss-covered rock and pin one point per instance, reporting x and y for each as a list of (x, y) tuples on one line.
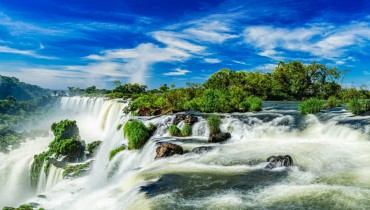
[(174, 130), (77, 170), (137, 134), (186, 130), (73, 149), (93, 147), (65, 129), (38, 162), (116, 151), (214, 123)]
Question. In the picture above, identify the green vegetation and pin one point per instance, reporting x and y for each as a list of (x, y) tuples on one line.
[(255, 104), (66, 142), (11, 86), (333, 102), (127, 90), (214, 123), (23, 207), (358, 106), (186, 130), (137, 134), (93, 147), (115, 151), (174, 130), (311, 106), (89, 91), (77, 170)]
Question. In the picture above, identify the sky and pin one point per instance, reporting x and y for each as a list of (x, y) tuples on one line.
[(80, 43)]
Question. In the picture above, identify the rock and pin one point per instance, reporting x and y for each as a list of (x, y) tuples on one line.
[(200, 150), (178, 118), (93, 147), (168, 149), (218, 137), (188, 119), (279, 161), (191, 119), (78, 170), (144, 111)]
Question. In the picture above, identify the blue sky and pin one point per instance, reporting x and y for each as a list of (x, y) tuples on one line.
[(57, 43)]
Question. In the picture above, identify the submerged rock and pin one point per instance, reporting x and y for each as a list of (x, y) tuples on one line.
[(200, 150), (218, 137), (168, 149), (279, 161)]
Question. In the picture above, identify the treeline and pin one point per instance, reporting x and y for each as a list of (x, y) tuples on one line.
[(11, 86)]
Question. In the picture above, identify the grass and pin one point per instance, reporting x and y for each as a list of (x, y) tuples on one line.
[(137, 134), (311, 106), (214, 123), (174, 130), (186, 130), (333, 102), (115, 151)]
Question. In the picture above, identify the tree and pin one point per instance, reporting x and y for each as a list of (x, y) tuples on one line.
[(116, 83), (164, 87)]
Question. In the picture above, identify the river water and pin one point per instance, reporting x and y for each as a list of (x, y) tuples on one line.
[(330, 150)]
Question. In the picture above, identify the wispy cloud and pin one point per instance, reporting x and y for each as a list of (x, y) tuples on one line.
[(31, 53), (366, 73), (177, 72), (320, 40), (212, 60)]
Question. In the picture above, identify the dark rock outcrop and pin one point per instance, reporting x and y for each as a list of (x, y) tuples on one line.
[(188, 119), (279, 161), (168, 149), (218, 137), (144, 111), (57, 163), (200, 150)]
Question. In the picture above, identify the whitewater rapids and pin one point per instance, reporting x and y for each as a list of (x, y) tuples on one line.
[(331, 152)]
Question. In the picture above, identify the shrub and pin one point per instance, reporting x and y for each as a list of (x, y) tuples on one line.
[(186, 130), (174, 130), (137, 134), (214, 123), (311, 106), (71, 148), (38, 162), (333, 102), (366, 105), (93, 147), (65, 129), (255, 103), (244, 106), (77, 170), (355, 106), (115, 151)]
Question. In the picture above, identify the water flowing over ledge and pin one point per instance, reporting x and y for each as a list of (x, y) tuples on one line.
[(331, 151)]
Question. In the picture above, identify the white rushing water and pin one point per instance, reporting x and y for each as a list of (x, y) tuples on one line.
[(331, 152)]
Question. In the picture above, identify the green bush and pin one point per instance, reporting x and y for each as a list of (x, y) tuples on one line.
[(255, 103), (355, 106), (333, 102), (186, 130), (77, 170), (38, 162), (174, 130), (93, 147), (115, 151), (214, 123), (311, 106), (71, 148), (365, 105), (65, 129), (137, 134)]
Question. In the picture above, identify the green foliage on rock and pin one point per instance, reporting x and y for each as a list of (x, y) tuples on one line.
[(93, 147), (22, 207), (137, 134), (38, 162), (214, 123), (77, 170), (72, 148), (186, 130), (115, 151), (65, 129), (174, 130), (311, 106), (255, 103)]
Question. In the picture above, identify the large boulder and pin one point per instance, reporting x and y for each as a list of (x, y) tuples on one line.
[(279, 161), (144, 111), (178, 118), (200, 150), (168, 149), (218, 137)]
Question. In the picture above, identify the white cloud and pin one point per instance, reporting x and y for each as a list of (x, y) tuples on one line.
[(177, 72), (320, 40), (212, 60), (265, 68), (31, 53)]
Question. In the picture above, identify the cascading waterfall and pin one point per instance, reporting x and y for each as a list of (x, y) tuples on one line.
[(331, 152)]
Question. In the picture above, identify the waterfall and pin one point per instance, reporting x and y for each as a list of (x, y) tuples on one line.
[(331, 152)]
